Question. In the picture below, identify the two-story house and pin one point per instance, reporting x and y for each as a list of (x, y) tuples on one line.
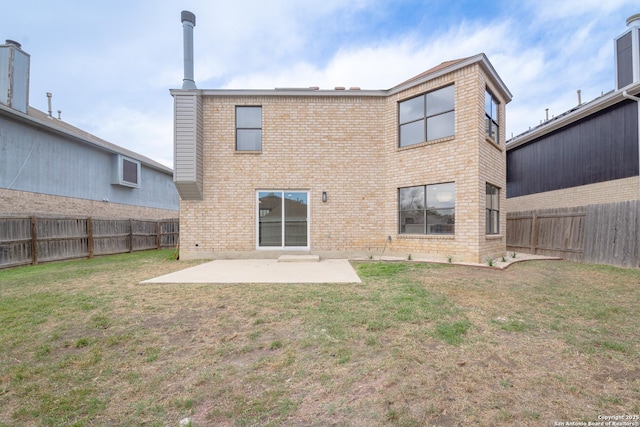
[(415, 169)]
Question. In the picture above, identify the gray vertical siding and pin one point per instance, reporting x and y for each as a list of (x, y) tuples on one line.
[(624, 58), (34, 160), (601, 147), (188, 156)]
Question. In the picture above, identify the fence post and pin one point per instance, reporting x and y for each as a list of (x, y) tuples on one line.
[(130, 235), (34, 240), (534, 232), (90, 236), (158, 229)]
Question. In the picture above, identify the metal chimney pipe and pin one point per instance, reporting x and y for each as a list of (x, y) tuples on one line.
[(49, 102), (188, 22)]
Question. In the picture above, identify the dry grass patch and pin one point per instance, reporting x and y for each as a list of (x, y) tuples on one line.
[(83, 344)]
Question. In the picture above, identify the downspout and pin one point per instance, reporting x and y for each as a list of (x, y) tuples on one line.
[(635, 98)]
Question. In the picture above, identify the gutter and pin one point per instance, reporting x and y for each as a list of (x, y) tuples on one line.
[(577, 113), (637, 100)]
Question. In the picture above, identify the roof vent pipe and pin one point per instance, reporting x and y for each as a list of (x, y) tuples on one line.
[(633, 20), (13, 43), (188, 22), (49, 102)]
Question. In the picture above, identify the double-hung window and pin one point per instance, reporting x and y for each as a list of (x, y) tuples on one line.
[(427, 117), (427, 209), (491, 116), (248, 128), (493, 209)]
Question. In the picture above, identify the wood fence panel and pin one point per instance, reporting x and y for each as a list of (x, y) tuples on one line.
[(15, 242), (612, 235), (599, 234), (144, 235), (111, 236), (109, 245), (29, 240), (59, 239), (169, 233), (519, 231), (561, 234)]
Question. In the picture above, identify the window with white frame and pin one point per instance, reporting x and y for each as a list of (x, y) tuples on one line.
[(491, 117), (427, 117), (493, 209), (427, 209), (248, 128), (126, 171)]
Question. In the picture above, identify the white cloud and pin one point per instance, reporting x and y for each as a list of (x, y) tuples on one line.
[(128, 127)]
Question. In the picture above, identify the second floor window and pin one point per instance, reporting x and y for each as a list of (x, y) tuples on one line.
[(491, 116), (248, 128), (427, 117)]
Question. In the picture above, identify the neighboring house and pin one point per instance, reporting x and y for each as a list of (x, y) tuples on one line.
[(412, 170), (48, 167), (588, 155)]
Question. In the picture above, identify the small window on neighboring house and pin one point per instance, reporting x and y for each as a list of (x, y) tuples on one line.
[(427, 209), (130, 171), (126, 171), (248, 128), (491, 116), (493, 209), (427, 117)]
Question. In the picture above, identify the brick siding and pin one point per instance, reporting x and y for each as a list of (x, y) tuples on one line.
[(13, 202), (346, 146), (619, 190)]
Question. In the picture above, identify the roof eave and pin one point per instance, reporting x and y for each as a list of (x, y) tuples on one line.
[(25, 118), (480, 58), (281, 92), (599, 104)]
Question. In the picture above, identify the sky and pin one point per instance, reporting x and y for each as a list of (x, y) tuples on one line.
[(111, 63)]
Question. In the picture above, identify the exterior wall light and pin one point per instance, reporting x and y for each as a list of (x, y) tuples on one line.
[(324, 196)]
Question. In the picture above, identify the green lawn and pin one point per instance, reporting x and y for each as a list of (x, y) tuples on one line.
[(81, 343)]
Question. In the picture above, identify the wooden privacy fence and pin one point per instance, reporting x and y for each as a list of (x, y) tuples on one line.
[(600, 234), (31, 240)]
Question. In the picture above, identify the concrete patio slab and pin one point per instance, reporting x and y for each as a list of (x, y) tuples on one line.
[(263, 271)]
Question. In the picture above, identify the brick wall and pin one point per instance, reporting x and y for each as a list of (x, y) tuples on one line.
[(619, 190), (346, 146), (14, 202)]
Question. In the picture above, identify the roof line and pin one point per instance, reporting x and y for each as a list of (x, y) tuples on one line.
[(450, 66), (437, 71), (78, 135), (577, 113)]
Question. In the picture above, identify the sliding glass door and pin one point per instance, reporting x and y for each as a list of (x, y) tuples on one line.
[(283, 219)]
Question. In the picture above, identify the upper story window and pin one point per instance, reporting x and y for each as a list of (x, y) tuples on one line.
[(427, 117), (493, 209), (491, 116), (248, 128), (427, 209), (126, 171)]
